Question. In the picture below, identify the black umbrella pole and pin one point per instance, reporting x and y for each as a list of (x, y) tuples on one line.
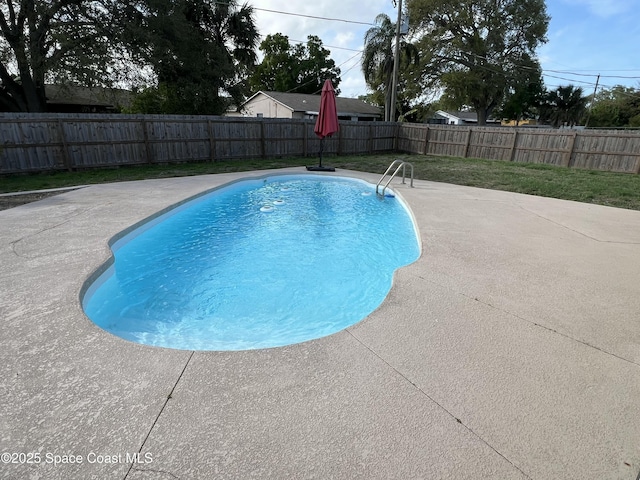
[(320, 168)]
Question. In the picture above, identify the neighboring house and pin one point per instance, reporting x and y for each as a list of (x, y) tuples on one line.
[(460, 118), (299, 105), (74, 99), (529, 122)]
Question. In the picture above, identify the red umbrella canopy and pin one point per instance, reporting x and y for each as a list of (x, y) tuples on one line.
[(327, 122)]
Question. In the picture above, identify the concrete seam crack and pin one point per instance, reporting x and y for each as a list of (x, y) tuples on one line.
[(153, 470), (67, 220), (576, 231), (164, 405), (531, 322), (442, 407)]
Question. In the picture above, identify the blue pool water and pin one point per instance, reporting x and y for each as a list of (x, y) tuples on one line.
[(257, 264)]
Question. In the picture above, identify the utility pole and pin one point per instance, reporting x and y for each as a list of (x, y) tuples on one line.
[(586, 124), (396, 62)]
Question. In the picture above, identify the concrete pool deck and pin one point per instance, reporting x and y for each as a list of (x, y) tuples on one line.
[(509, 350)]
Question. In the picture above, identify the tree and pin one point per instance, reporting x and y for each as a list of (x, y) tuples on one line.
[(563, 106), (523, 98), (60, 40), (378, 59), (300, 68), (199, 50), (477, 46), (616, 107)]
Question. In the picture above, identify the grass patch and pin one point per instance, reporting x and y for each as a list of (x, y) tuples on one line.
[(603, 188), (39, 181)]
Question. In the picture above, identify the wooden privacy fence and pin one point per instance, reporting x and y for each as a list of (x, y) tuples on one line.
[(45, 142), (611, 150)]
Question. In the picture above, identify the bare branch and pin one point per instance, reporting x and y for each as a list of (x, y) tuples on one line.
[(12, 12), (7, 31)]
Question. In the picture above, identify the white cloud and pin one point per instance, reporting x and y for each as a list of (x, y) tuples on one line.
[(344, 39)]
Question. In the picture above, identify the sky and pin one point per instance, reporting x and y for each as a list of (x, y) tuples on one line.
[(585, 37)]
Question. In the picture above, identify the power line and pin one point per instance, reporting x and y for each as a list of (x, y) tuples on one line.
[(568, 79), (542, 72), (613, 70), (351, 67), (358, 52), (593, 75), (328, 46), (313, 80), (332, 46), (329, 19), (562, 72)]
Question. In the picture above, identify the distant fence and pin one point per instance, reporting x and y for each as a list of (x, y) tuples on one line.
[(45, 142), (610, 150), (48, 142)]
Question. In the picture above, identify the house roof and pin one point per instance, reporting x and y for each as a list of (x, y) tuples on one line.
[(301, 102), (96, 96)]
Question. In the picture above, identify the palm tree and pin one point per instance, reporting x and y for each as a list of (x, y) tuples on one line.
[(235, 33), (377, 58), (565, 105)]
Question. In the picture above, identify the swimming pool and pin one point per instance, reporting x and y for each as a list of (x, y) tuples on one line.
[(259, 263)]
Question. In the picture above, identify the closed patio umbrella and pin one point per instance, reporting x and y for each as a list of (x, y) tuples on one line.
[(327, 121)]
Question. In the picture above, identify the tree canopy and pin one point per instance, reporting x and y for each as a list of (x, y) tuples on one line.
[(475, 49), (197, 51), (60, 40), (616, 107), (299, 68), (200, 51), (524, 96)]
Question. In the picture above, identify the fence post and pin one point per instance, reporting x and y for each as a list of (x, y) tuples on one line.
[(396, 135), (65, 147), (340, 141), (468, 143), (370, 142), (212, 141), (263, 147), (147, 145), (426, 141), (305, 139), (512, 154), (566, 162)]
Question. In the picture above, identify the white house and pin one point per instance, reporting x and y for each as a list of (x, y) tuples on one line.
[(299, 105), (460, 118)]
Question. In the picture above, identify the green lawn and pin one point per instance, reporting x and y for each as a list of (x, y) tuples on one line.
[(604, 188)]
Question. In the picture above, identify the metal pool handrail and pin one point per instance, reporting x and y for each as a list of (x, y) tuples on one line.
[(402, 165)]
